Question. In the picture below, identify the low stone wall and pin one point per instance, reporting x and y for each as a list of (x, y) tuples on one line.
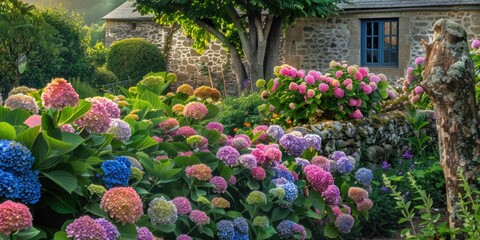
[(377, 138)]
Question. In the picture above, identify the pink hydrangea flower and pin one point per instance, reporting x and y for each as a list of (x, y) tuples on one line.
[(318, 178), (374, 78), (186, 131), (355, 102), (357, 194), (339, 74), (293, 86), (85, 227), (273, 156), (276, 83), (323, 87), (112, 107), (196, 110), (322, 162), (183, 205), (367, 89), (363, 71), (315, 74), (358, 76), (311, 93), (219, 184), (14, 217), (476, 44), (301, 73), (232, 180), (335, 83), (263, 136), (122, 204), (214, 126), (347, 82), (258, 173), (338, 92), (291, 105), (364, 205), (285, 71), (419, 60), (228, 155), (168, 125), (310, 79), (349, 87), (184, 237), (302, 88), (58, 94), (352, 70), (200, 171), (357, 114), (96, 120), (67, 128), (419, 90), (199, 217)]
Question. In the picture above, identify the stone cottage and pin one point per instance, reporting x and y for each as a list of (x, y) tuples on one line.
[(383, 35)]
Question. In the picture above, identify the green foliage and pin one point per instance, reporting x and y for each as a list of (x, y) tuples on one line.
[(104, 76), (418, 123), (238, 111), (134, 58), (98, 54), (344, 92), (97, 32), (469, 211), (84, 89)]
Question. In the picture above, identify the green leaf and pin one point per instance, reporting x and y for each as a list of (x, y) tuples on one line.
[(279, 214), (62, 203), (7, 131), (64, 179), (26, 234), (317, 201), (143, 143), (127, 231), (16, 117), (233, 214), (184, 161), (330, 230), (253, 185), (382, 88), (69, 114), (60, 236), (212, 112), (153, 99), (95, 209), (28, 136)]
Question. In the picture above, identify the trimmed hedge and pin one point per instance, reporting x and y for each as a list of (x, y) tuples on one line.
[(104, 76), (133, 58)]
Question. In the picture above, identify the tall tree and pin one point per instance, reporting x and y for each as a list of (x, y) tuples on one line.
[(449, 81), (252, 28)]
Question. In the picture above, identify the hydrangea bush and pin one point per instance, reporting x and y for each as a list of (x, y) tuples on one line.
[(145, 164), (343, 92)]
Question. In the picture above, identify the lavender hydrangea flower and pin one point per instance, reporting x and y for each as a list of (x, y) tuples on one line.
[(84, 228), (225, 230), (293, 145), (314, 141), (344, 222), (144, 233), (285, 230), (364, 176), (337, 155), (228, 155), (275, 131), (110, 229), (249, 161), (120, 129)]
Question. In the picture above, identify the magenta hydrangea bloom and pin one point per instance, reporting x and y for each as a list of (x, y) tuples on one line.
[(144, 233), (323, 87), (186, 131), (248, 161), (258, 173), (184, 237), (302, 88), (357, 114), (344, 222), (338, 92), (219, 184), (112, 107), (331, 195), (96, 120), (199, 217), (318, 178), (183, 205), (263, 136), (299, 229), (301, 73), (214, 126), (310, 79), (196, 110), (120, 129), (85, 228), (58, 94), (293, 86), (475, 43), (367, 89), (273, 156), (355, 102), (363, 71), (419, 60), (228, 155), (316, 74), (374, 78), (110, 229), (22, 101), (14, 217), (232, 180)]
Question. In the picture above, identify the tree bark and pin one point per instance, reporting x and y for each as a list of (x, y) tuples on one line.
[(273, 45), (449, 81)]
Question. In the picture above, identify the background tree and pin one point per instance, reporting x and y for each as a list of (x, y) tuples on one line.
[(251, 28)]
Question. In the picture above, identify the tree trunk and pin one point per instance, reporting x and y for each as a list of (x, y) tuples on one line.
[(449, 81), (273, 47), (238, 67)]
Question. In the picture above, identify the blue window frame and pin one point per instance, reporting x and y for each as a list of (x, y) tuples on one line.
[(379, 42)]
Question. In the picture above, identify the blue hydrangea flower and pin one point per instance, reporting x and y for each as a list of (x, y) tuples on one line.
[(240, 236), (29, 187), (14, 157), (291, 191), (240, 225), (314, 141), (124, 160), (116, 172), (285, 230), (279, 173), (364, 176), (8, 185), (225, 230), (344, 165)]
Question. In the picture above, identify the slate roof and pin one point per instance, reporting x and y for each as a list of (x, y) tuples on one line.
[(126, 11)]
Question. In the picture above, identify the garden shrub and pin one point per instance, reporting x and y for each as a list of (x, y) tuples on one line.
[(104, 76), (84, 89), (98, 54), (344, 92), (133, 58), (240, 112)]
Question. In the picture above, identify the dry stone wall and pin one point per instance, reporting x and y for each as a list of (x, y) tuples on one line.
[(190, 67)]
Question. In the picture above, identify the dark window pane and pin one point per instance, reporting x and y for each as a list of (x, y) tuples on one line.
[(386, 56), (375, 28), (394, 57), (369, 42), (375, 42), (369, 28), (369, 56), (374, 56)]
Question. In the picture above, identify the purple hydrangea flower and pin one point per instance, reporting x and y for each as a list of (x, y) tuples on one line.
[(344, 165), (364, 176), (214, 126), (293, 145), (331, 195), (337, 155), (275, 131), (219, 184), (344, 222), (249, 161), (144, 233), (285, 230), (407, 154), (110, 229), (85, 228), (228, 155), (314, 141)]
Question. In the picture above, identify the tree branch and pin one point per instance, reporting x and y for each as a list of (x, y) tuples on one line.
[(240, 29)]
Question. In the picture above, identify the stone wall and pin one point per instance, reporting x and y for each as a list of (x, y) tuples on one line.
[(182, 59), (312, 42), (377, 138)]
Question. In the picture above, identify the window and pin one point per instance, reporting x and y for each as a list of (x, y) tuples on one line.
[(379, 43)]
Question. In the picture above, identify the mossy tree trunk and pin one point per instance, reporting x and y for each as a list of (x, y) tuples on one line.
[(449, 81)]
